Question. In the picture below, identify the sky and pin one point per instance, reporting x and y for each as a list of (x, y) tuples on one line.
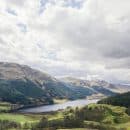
[(88, 39)]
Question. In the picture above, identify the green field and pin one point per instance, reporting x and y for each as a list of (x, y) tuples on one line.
[(5, 106), (16, 117), (124, 125), (59, 101), (20, 118), (77, 129)]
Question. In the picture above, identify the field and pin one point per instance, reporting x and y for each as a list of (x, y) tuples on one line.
[(5, 106), (20, 118), (59, 101), (124, 125), (16, 117), (77, 129)]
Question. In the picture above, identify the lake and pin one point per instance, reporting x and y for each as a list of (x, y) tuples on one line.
[(55, 107)]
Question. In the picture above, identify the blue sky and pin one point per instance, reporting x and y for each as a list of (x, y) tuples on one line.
[(80, 38)]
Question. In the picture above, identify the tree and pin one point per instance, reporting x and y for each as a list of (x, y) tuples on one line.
[(43, 123)]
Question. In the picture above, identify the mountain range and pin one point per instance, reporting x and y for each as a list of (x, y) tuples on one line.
[(21, 84), (97, 84)]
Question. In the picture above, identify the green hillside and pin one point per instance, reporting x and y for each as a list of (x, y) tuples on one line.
[(90, 117), (22, 92), (93, 116), (24, 85), (118, 100)]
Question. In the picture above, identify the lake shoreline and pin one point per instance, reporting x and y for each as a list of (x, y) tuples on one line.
[(56, 107), (39, 105)]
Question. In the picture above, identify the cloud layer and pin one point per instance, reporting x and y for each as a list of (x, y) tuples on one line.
[(83, 38)]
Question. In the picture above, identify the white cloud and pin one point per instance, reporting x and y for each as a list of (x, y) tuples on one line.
[(67, 39)]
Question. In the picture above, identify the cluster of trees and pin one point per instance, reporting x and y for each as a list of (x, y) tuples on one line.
[(87, 117), (69, 120), (95, 116), (118, 100), (5, 124)]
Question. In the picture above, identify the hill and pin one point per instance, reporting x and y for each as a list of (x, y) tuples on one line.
[(118, 100), (24, 85), (90, 117), (21, 84), (93, 116)]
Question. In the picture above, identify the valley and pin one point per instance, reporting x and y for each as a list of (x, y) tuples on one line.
[(29, 87), (33, 100), (64, 65)]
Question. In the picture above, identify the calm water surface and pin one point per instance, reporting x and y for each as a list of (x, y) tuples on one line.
[(55, 107)]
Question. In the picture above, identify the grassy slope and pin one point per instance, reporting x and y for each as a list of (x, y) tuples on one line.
[(20, 118), (110, 114), (5, 106), (75, 129)]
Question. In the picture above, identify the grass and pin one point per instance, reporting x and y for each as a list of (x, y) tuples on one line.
[(124, 125), (20, 118), (69, 129), (5, 106), (77, 129), (54, 116), (111, 113), (60, 101)]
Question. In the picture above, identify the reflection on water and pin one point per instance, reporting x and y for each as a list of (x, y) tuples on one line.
[(55, 107)]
